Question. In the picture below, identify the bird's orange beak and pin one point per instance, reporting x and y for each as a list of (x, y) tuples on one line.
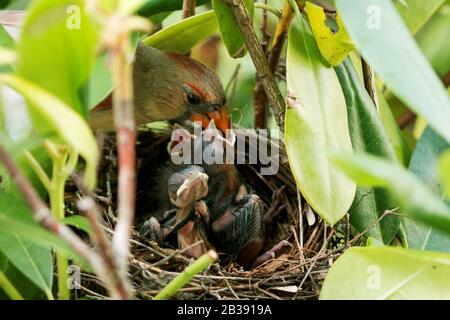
[(220, 117)]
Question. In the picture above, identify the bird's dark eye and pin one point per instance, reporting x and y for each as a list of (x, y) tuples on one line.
[(193, 99)]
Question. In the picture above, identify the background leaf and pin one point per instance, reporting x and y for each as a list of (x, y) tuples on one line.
[(34, 261), (429, 39), (78, 222), (402, 150), (424, 165), (409, 192), (229, 29), (316, 124), (57, 49), (368, 135), (182, 36), (385, 42), (383, 273), (153, 7), (444, 172), (416, 13), (52, 116)]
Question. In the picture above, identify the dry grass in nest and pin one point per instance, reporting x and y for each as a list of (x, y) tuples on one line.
[(297, 273)]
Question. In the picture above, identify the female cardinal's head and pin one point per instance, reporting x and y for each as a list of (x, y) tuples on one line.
[(169, 86)]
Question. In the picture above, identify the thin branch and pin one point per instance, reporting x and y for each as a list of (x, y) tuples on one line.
[(90, 209), (188, 8), (260, 97), (370, 81), (126, 139), (259, 60), (42, 215)]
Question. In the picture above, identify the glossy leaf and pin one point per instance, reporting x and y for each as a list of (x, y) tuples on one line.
[(368, 135), (409, 192), (416, 13), (57, 49), (182, 36), (382, 273), (315, 125), (334, 46), (35, 262), (386, 44), (229, 29), (51, 116), (402, 150), (424, 165)]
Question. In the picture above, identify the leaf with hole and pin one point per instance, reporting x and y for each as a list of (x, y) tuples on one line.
[(334, 46)]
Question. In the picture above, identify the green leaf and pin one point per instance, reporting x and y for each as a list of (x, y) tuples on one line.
[(385, 42), (334, 46), (229, 29), (32, 260), (153, 7), (315, 125), (409, 192), (368, 135), (100, 82), (416, 13), (57, 49), (402, 150), (20, 225), (79, 222), (18, 4), (444, 172), (424, 165), (26, 288), (428, 39), (182, 36), (52, 116), (383, 273), (5, 42)]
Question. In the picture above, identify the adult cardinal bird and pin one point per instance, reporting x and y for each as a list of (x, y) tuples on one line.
[(169, 86)]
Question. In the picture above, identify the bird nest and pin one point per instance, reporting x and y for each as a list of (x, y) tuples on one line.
[(296, 273)]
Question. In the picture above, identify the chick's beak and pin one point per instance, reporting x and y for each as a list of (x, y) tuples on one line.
[(220, 117)]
